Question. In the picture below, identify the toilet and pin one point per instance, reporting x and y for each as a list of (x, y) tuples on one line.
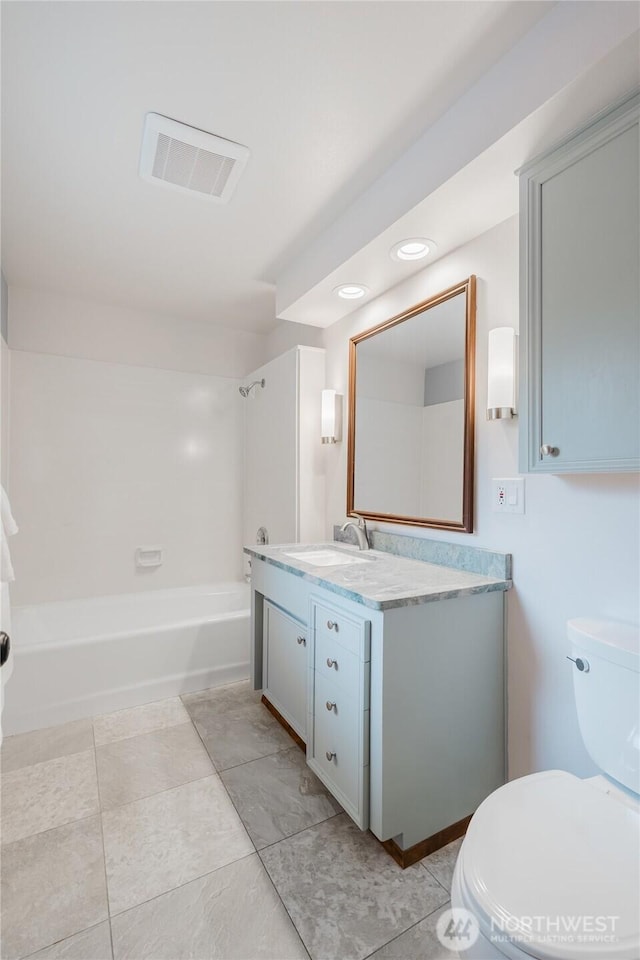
[(549, 867)]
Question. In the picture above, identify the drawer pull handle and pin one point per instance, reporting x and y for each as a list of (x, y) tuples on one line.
[(330, 706), (332, 663), (330, 756), (301, 640), (332, 625)]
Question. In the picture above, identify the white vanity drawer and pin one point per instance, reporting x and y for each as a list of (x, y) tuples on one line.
[(336, 664), (340, 746), (331, 623)]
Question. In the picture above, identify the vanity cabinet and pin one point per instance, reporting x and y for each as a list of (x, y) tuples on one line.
[(405, 704), (285, 666), (580, 300), (338, 698)]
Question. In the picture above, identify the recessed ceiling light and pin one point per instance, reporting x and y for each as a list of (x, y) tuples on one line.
[(351, 291), (414, 249)]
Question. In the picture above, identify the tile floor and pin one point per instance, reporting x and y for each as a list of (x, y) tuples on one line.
[(192, 828)]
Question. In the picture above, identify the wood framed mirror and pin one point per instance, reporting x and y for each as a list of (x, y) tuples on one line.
[(412, 415)]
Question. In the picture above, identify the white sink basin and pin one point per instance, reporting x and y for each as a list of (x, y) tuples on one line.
[(325, 557)]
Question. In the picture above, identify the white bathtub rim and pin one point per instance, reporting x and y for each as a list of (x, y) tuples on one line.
[(34, 615), (197, 590), (19, 645)]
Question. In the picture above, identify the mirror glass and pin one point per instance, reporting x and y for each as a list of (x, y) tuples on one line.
[(411, 415)]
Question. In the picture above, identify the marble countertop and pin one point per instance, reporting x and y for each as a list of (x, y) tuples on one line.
[(379, 580)]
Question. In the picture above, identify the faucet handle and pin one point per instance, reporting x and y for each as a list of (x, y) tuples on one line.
[(362, 524)]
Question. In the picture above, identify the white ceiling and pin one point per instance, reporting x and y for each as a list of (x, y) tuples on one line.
[(326, 96), (481, 195)]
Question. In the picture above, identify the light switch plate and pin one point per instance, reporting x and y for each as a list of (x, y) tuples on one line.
[(507, 495)]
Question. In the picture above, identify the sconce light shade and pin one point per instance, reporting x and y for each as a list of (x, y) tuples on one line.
[(501, 390), (331, 416)]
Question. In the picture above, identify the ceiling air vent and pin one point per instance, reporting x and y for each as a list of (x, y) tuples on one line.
[(185, 158)]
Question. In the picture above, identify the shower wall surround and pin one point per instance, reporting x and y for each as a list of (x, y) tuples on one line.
[(126, 431), (284, 466), (105, 458)]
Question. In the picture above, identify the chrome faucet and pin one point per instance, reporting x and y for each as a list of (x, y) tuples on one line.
[(360, 530)]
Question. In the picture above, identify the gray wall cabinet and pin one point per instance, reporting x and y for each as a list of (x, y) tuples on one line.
[(580, 300)]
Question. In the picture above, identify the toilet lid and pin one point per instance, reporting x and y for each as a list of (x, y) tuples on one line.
[(550, 865)]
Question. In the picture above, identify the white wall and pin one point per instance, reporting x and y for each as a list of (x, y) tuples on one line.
[(286, 335), (44, 322), (576, 549), (390, 380)]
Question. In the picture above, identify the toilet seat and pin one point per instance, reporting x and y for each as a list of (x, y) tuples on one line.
[(553, 846)]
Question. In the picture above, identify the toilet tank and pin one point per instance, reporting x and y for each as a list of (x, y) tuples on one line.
[(607, 695)]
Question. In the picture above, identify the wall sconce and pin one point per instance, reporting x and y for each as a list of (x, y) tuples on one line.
[(501, 391), (331, 416)]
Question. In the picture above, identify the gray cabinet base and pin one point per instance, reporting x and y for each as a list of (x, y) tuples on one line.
[(406, 858)]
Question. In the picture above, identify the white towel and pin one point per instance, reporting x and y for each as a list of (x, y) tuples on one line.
[(8, 527)]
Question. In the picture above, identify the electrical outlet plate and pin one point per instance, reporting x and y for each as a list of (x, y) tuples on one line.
[(508, 495)]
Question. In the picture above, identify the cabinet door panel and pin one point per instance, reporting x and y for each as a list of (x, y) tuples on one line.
[(590, 305), (285, 667), (580, 300)]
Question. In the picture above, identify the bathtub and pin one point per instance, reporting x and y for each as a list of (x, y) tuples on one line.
[(80, 658)]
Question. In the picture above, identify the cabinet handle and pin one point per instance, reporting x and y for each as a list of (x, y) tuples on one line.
[(301, 640), (332, 625), (548, 451), (332, 663), (330, 756), (330, 706)]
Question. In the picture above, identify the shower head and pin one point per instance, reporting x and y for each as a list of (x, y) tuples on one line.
[(245, 391)]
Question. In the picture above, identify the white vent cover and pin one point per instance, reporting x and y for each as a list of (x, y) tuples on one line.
[(185, 158)]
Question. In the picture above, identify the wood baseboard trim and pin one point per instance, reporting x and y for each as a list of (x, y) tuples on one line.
[(406, 858), (281, 720)]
